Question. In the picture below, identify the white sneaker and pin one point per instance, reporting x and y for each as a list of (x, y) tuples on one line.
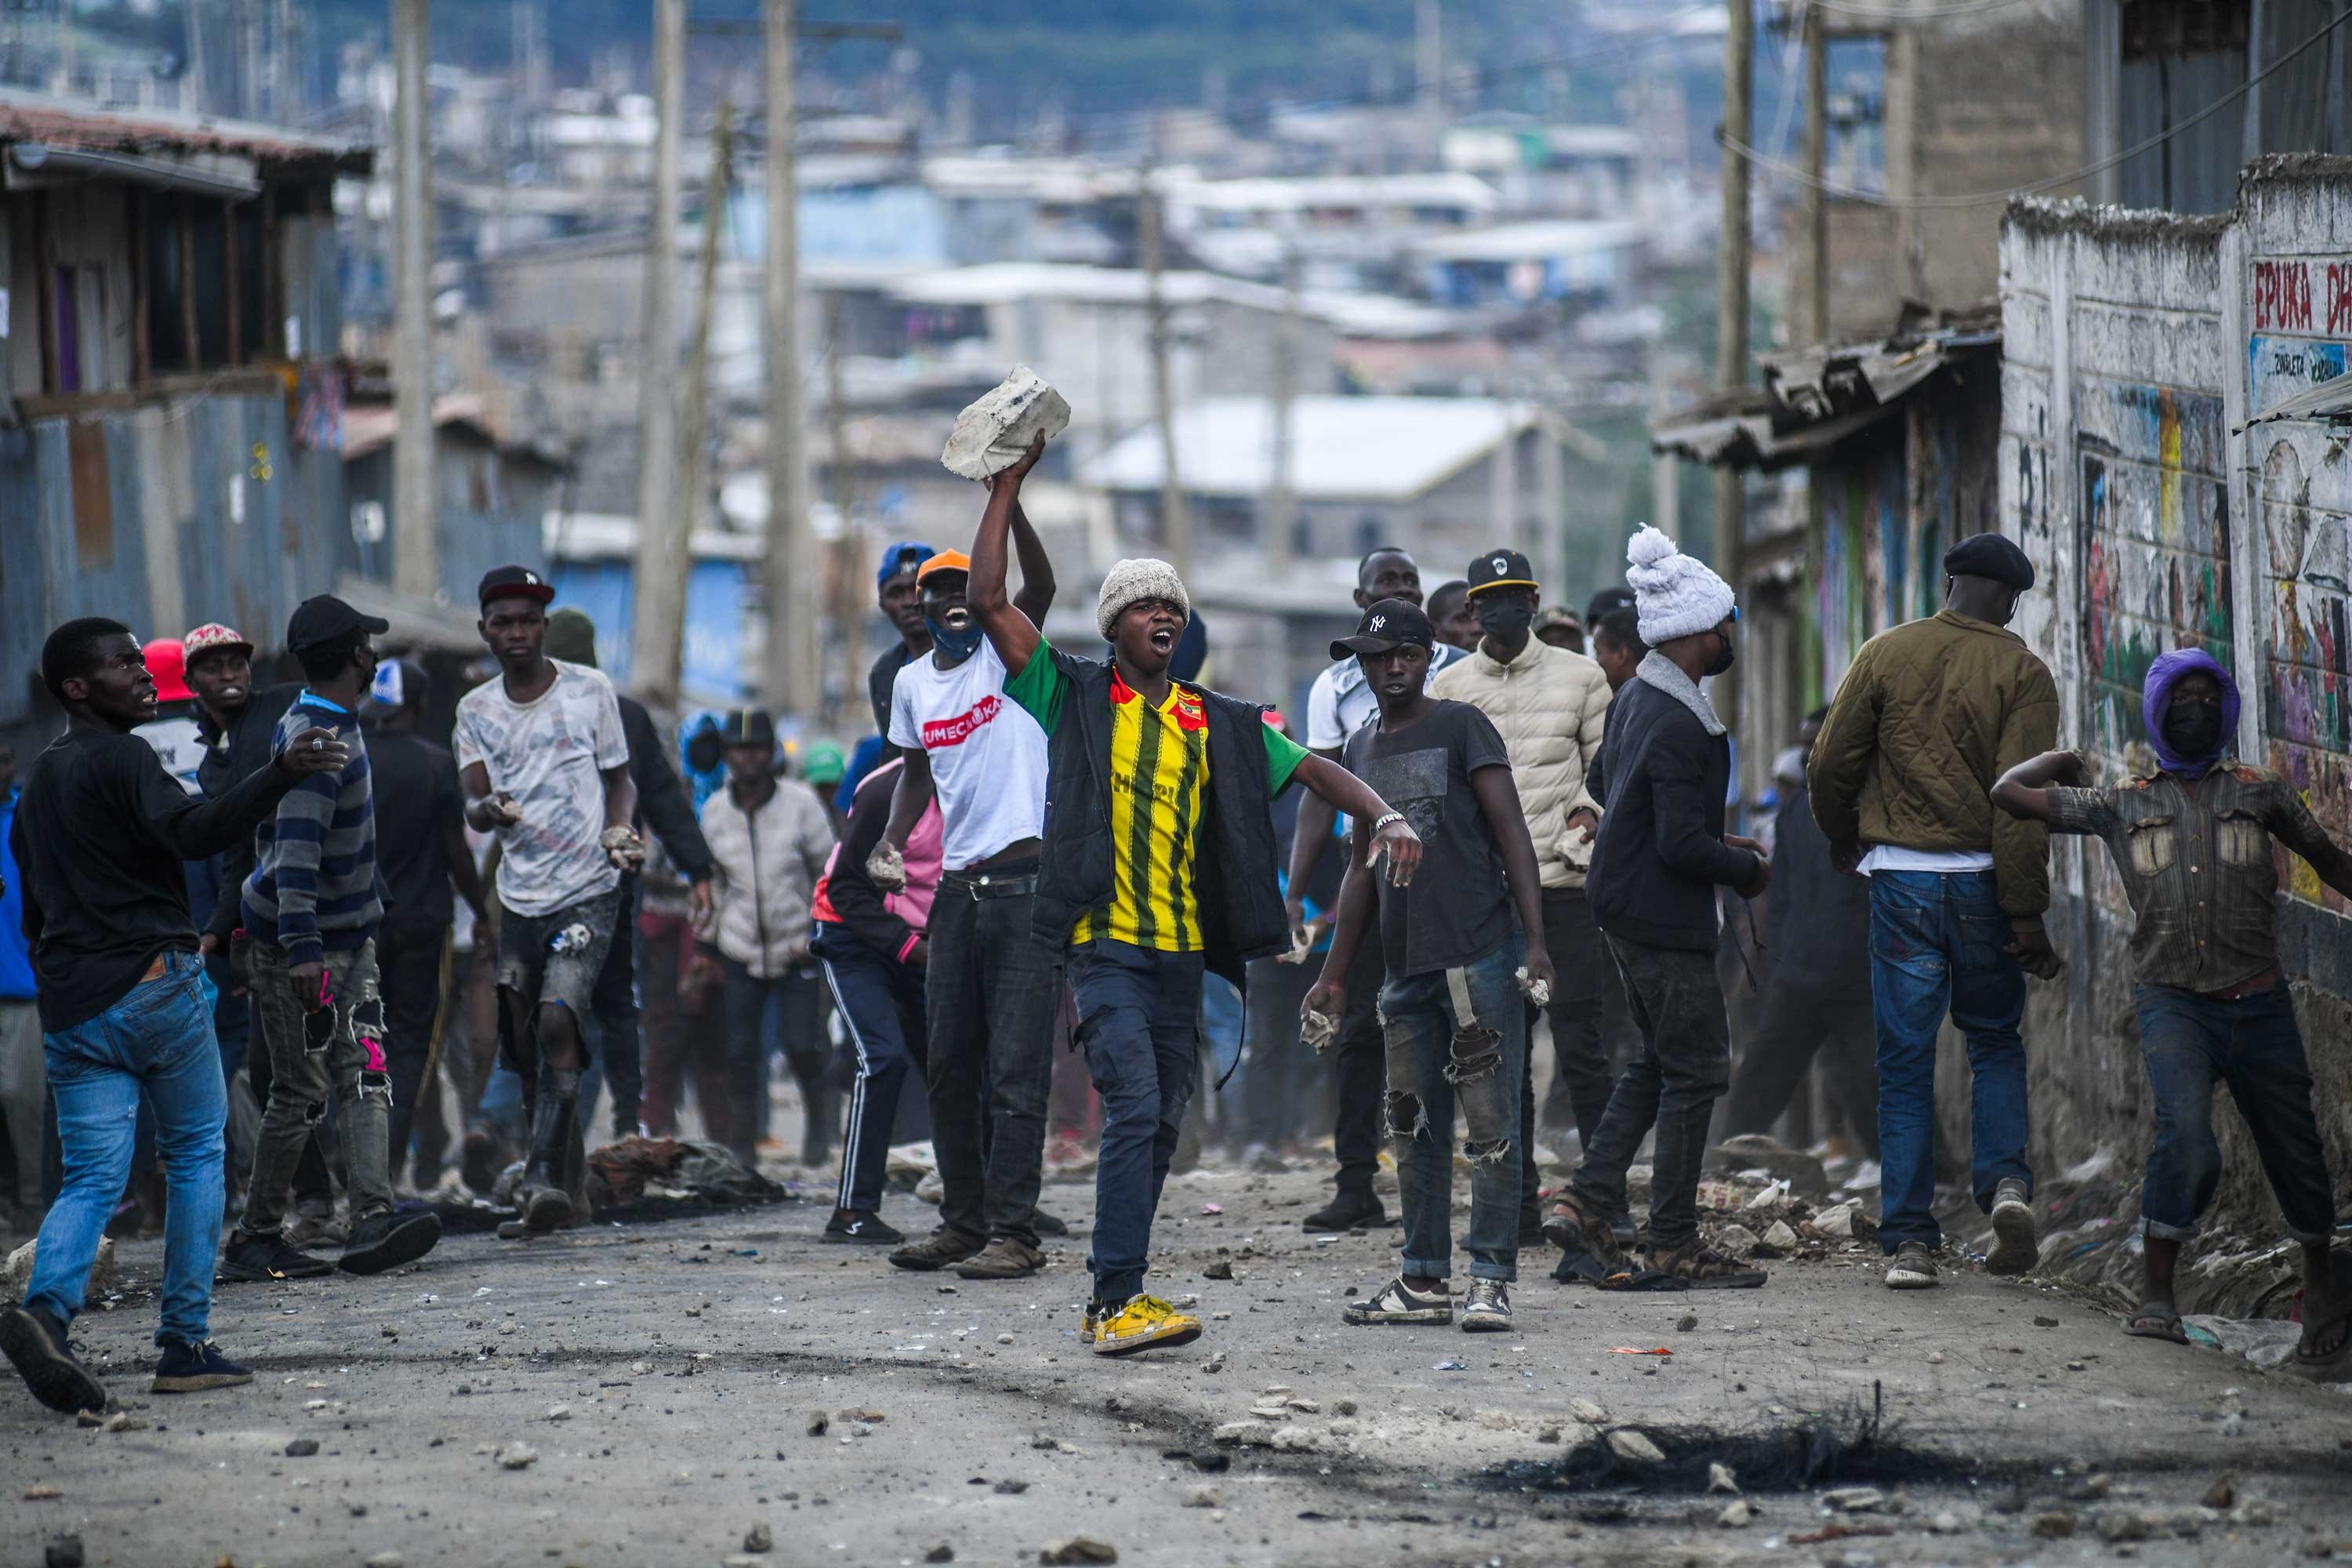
[(1489, 1308), (1866, 1178)]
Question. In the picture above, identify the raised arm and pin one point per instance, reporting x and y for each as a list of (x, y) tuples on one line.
[(1036, 595), (1009, 627)]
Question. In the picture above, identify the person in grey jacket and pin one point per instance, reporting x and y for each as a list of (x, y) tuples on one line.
[(768, 845), (1661, 853)]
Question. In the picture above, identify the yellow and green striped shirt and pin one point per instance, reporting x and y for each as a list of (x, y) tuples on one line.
[(1158, 783)]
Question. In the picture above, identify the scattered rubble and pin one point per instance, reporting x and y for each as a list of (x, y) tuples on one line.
[(517, 1456), (1077, 1549)]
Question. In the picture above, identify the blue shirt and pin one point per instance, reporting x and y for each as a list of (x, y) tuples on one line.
[(16, 959)]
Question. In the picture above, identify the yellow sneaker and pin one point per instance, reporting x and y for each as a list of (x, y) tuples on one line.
[(1145, 1323)]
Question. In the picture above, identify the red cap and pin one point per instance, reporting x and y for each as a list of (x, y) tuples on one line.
[(167, 662)]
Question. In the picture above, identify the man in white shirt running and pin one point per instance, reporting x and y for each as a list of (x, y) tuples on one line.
[(991, 988), (1338, 705)]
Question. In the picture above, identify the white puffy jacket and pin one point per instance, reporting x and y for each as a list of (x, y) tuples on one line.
[(1549, 706), (768, 863)]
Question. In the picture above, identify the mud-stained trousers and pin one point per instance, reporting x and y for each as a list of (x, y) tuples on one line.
[(1457, 1037), (345, 1057)]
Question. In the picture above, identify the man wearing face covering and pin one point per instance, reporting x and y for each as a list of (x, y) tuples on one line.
[(1926, 718), (2193, 843), (990, 991), (1549, 706)]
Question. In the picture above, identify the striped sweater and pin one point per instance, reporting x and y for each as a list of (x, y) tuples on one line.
[(314, 885)]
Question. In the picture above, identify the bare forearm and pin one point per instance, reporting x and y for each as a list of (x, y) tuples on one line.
[(2022, 791), (1338, 788), (620, 797), (1355, 911), (908, 796), (1037, 586)]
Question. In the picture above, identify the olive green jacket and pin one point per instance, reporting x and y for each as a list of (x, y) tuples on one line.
[(1930, 714)]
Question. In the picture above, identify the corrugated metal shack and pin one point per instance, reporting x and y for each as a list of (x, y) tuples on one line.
[(170, 409)]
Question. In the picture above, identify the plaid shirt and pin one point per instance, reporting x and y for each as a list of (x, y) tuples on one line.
[(2196, 860)]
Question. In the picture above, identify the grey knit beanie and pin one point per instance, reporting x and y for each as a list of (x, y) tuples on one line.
[(1131, 581)]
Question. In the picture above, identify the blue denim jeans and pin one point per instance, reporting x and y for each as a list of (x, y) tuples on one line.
[(157, 1038), (1140, 1025), (1458, 1036), (1936, 941), (2253, 1044)]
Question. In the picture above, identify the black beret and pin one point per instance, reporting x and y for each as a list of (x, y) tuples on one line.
[(1990, 555)]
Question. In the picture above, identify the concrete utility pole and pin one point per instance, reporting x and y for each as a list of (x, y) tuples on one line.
[(1175, 520), (794, 677), (1281, 511), (1817, 142), (678, 538), (1429, 67), (416, 538), (660, 609), (1731, 305), (192, 80), (848, 570)]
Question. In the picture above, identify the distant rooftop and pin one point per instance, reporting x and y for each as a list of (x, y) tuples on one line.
[(1341, 448), (1541, 241), (86, 127)]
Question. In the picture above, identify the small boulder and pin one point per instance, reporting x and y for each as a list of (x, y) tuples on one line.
[(517, 1456), (1633, 1446), (1077, 1549), (1736, 1515)]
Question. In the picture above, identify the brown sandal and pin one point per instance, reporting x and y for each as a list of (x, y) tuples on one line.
[(1572, 1228), (1706, 1268)]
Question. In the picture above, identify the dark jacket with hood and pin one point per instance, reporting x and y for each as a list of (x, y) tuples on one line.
[(1663, 768), (1234, 859)]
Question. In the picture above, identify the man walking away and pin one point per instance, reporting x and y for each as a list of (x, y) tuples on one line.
[(421, 852), (1930, 715), (100, 837), (662, 807), (1453, 1008), (991, 988), (544, 765), (1661, 853), (1158, 867), (1339, 704), (871, 946), (311, 907), (768, 844), (24, 1085), (1549, 706), (2193, 843), (1817, 996)]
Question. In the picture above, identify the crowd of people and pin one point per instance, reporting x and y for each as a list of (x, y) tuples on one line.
[(1047, 862)]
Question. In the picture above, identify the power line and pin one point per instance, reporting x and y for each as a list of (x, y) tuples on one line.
[(1761, 160), (1915, 13)]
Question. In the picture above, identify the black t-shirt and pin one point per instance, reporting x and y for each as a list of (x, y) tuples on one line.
[(1458, 907), (100, 837), (878, 683), (416, 799)]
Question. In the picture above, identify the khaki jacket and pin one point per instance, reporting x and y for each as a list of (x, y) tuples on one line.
[(1551, 707), (1930, 715), (768, 866)]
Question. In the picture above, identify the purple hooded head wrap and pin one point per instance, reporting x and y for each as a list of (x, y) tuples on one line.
[(2155, 696)]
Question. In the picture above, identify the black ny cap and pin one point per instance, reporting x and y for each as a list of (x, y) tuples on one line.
[(1607, 602), (514, 583), (748, 727), (1500, 569), (326, 621), (1387, 625)]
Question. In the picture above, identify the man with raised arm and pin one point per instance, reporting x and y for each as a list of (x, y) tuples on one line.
[(1158, 862)]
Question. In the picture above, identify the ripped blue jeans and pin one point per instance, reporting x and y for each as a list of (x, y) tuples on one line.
[(1457, 1037)]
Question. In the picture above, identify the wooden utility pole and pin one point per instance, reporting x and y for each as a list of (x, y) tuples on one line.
[(416, 539), (1731, 304), (659, 621), (794, 677), (1175, 520), (1281, 511), (678, 538), (1816, 204), (847, 600)]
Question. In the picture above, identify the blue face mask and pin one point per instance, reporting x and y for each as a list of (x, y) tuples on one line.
[(958, 643)]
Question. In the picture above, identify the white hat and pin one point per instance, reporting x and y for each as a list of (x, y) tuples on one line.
[(1675, 595), (1134, 580)]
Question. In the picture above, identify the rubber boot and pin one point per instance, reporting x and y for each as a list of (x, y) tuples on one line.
[(554, 1131)]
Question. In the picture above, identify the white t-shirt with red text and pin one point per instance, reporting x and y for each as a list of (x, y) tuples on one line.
[(987, 755)]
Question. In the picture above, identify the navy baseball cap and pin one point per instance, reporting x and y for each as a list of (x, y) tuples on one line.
[(901, 560)]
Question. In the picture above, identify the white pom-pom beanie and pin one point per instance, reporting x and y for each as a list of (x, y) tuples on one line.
[(1674, 594), (1133, 580)]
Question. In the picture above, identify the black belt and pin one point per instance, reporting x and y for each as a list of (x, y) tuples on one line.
[(993, 883)]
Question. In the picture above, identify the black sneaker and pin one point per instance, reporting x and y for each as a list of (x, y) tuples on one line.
[(1044, 1224), (1347, 1212), (862, 1225), (267, 1257), (36, 1342), (186, 1367), (387, 1240)]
